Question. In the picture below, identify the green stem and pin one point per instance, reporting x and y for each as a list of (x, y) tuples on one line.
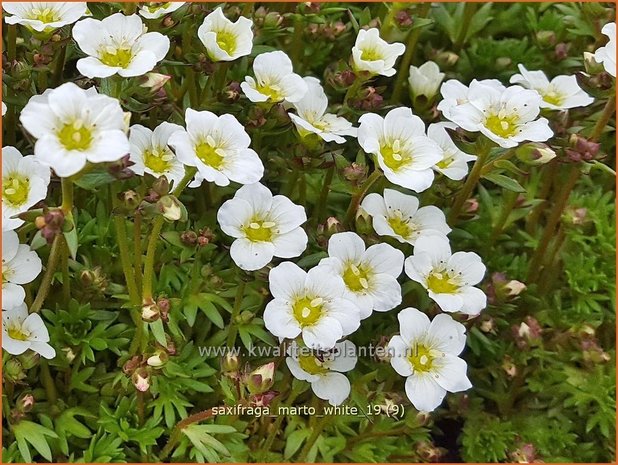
[(52, 263), (509, 201), (276, 429), (356, 199), (240, 292), (553, 220), (67, 195), (607, 113), (137, 249), (469, 11), (66, 281), (11, 43), (298, 46), (48, 382), (153, 241), (42, 80), (471, 182), (353, 89), (404, 66), (321, 206), (59, 65)]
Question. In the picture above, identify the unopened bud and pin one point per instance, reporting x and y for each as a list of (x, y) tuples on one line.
[(150, 312), (172, 209), (189, 238), (25, 403), (546, 39), (535, 153), (141, 380), (154, 81), (261, 379), (230, 363), (158, 359), (264, 399), (561, 51), (591, 65)]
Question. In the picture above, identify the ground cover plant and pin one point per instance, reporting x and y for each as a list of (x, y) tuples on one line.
[(298, 232)]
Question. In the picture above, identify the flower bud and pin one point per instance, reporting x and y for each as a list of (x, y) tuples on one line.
[(161, 186), (172, 209), (121, 169), (25, 403), (158, 359), (425, 80), (163, 304), (261, 379), (404, 19), (509, 367), (141, 380), (575, 216), (69, 353), (29, 359), (150, 312), (154, 81), (189, 238), (263, 400), (591, 65), (428, 452), (546, 39), (581, 149), (561, 51), (535, 153), (130, 199), (355, 172), (446, 59), (13, 371), (593, 353), (206, 237), (488, 326), (525, 453), (527, 333), (230, 363)]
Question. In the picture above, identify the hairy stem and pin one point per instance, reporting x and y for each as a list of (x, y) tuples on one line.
[(240, 292), (52, 263), (358, 197)]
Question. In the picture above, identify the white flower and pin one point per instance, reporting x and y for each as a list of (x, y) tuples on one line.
[(508, 117), (454, 163), (44, 16), (323, 369), (225, 40), (20, 265), (21, 332), (4, 108), (24, 183), (402, 149), (274, 80), (374, 55), (561, 93), (607, 53), (118, 44), (156, 10), (265, 226), (397, 215), (310, 304), (426, 353), (311, 116), (219, 147), (448, 278), (370, 275), (151, 153), (425, 80), (455, 93), (73, 126)]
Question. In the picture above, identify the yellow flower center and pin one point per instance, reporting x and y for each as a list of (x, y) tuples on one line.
[(155, 6), (355, 277), (259, 231), (116, 57), (207, 152), (421, 358), (400, 225), (45, 15), (18, 334), (7, 272), (441, 283), (371, 54), (502, 125), (75, 136), (311, 364), (15, 189), (226, 41), (553, 98), (158, 160), (448, 159), (271, 90), (392, 156), (308, 311)]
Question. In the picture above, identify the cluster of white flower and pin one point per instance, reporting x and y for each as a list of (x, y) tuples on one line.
[(316, 308)]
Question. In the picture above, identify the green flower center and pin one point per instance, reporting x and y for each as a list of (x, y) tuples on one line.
[(208, 153), (308, 311), (421, 358), (157, 160), (15, 189), (311, 364), (392, 156), (553, 98), (441, 283), (259, 231), (226, 41), (18, 334), (355, 277), (45, 15), (371, 54), (75, 136), (272, 91), (446, 161), (118, 58), (400, 225), (502, 126)]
